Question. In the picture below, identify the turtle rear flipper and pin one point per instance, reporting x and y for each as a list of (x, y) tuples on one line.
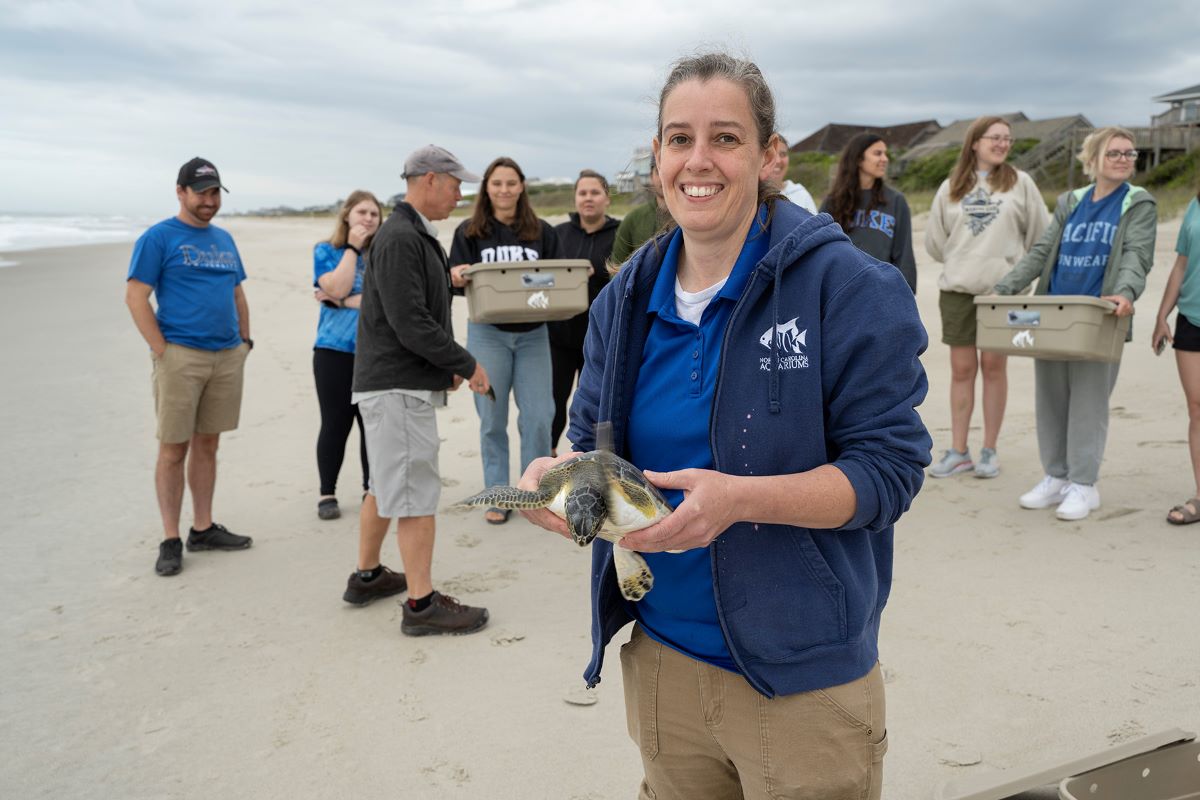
[(633, 575)]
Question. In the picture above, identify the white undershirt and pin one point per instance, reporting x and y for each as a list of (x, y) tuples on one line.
[(690, 305)]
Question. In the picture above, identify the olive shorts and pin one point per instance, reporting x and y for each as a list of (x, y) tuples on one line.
[(705, 733), (958, 318), (197, 391)]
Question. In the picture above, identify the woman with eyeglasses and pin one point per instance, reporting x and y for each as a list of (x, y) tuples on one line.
[(1100, 243), (984, 218), (1183, 291)]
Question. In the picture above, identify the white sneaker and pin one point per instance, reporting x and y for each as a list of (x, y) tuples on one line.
[(1080, 500), (1049, 492)]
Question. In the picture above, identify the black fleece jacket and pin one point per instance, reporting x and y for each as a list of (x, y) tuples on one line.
[(405, 337), (596, 247)]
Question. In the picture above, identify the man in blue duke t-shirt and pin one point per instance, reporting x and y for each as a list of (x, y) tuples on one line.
[(199, 337)]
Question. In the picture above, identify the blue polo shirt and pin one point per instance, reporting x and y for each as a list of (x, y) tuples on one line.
[(669, 430)]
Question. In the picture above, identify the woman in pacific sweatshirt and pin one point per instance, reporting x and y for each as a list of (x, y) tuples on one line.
[(1100, 243), (874, 215), (504, 227), (984, 218), (589, 233), (765, 372)]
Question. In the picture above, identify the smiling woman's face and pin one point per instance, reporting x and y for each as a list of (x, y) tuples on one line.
[(710, 160)]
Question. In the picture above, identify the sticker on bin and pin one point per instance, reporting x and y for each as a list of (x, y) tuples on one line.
[(539, 280), (1024, 318), (1023, 339), (538, 300)]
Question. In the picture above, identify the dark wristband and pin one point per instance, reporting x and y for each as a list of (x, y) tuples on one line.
[(249, 342), (357, 252)]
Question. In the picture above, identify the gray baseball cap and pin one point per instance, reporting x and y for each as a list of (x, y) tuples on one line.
[(432, 158)]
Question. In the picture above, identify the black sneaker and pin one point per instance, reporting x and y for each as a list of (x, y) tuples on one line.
[(328, 508), (359, 592), (170, 557), (217, 537), (445, 615)]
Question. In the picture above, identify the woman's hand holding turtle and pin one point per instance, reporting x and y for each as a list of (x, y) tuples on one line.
[(542, 517), (709, 507)]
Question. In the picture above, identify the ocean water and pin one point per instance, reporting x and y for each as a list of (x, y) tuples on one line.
[(36, 231)]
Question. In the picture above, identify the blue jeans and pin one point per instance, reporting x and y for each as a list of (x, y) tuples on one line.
[(520, 363)]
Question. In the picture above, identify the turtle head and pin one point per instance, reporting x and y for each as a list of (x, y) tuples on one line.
[(586, 512)]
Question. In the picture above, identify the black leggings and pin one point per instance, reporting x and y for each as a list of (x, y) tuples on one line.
[(565, 363), (334, 371)]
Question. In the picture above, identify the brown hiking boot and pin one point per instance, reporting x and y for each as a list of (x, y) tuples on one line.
[(359, 592), (445, 615)]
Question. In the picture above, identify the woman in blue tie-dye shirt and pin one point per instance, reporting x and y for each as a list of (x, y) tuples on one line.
[(337, 277)]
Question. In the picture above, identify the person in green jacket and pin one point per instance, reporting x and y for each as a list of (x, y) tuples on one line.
[(1100, 243), (641, 223)]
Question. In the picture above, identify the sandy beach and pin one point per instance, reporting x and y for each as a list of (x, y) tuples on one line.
[(1010, 637)]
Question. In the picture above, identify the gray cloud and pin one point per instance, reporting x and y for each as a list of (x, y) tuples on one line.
[(298, 106)]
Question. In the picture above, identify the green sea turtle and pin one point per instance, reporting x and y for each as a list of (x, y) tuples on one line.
[(598, 494)]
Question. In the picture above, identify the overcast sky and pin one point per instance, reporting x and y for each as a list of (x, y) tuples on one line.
[(102, 100)]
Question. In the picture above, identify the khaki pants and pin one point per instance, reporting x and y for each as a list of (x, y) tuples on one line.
[(705, 733), (197, 391)]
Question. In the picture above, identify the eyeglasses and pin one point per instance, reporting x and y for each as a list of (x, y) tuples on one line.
[(998, 139), (1117, 155)]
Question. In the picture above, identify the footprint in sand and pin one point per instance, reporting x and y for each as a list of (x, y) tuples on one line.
[(418, 657), (503, 638), (467, 453), (474, 582), (456, 419), (449, 482), (443, 771), (467, 540)]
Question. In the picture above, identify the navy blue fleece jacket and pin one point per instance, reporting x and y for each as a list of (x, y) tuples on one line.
[(819, 365)]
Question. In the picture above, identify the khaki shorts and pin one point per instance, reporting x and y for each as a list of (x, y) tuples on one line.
[(958, 318), (197, 391), (402, 454), (704, 732)]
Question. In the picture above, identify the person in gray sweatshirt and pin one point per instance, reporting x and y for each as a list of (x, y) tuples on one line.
[(874, 215)]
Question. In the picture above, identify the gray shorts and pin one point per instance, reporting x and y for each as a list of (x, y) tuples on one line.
[(402, 452)]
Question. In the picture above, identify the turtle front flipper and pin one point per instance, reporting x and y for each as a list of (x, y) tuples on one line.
[(503, 497), (586, 511), (633, 575)]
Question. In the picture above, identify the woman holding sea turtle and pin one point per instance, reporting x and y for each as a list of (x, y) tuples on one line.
[(764, 374)]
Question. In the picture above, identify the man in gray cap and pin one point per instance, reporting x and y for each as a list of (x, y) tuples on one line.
[(406, 360)]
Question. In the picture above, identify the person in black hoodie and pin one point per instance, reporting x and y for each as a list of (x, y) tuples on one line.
[(588, 234), (503, 227)]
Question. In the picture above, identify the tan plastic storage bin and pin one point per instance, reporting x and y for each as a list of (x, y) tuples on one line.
[(1061, 327), (1169, 773), (527, 291)]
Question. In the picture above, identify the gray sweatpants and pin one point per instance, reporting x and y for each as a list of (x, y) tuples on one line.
[(1072, 416)]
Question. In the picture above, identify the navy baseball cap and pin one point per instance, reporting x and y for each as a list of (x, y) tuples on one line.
[(199, 175)]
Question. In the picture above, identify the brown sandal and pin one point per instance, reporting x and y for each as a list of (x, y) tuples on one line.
[(1188, 511)]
